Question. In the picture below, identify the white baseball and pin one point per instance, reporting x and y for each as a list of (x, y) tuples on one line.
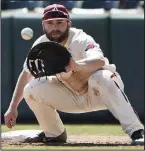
[(27, 33)]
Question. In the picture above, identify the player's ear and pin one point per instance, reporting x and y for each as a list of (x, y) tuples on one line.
[(43, 26), (69, 24)]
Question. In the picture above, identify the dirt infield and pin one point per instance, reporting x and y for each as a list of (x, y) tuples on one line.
[(82, 140)]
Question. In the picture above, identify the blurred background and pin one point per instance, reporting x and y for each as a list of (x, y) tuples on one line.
[(118, 26)]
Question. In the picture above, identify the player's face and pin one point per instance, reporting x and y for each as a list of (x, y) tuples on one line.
[(57, 30)]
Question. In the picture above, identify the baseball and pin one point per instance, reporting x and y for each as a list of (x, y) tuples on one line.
[(27, 33)]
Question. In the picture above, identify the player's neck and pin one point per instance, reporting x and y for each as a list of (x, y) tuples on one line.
[(64, 42)]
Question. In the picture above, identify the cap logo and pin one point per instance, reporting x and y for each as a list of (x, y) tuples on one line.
[(55, 8)]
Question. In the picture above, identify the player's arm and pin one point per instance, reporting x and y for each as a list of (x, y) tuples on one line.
[(12, 113), (94, 60), (23, 79), (92, 63)]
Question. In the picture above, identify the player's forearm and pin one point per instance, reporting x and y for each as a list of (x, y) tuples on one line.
[(23, 79), (91, 64)]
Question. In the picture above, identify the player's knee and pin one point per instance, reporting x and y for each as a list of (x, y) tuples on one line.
[(26, 91), (29, 88), (100, 78)]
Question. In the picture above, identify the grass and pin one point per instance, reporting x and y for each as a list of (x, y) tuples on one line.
[(99, 130)]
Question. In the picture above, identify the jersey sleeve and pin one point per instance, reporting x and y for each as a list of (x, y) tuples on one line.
[(91, 48), (85, 46)]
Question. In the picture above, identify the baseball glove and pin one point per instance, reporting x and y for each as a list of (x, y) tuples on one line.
[(47, 58)]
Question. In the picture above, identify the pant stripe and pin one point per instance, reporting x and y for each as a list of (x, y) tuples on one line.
[(125, 97), (121, 92)]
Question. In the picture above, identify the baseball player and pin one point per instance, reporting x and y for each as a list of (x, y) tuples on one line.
[(90, 83)]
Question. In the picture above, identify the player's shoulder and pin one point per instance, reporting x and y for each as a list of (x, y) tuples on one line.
[(80, 39), (79, 36), (41, 39)]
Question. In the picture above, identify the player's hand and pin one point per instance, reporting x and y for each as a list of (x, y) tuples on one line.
[(10, 117)]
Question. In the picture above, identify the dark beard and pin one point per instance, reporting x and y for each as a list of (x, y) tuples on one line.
[(63, 37)]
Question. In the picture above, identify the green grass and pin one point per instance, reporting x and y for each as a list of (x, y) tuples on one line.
[(99, 130)]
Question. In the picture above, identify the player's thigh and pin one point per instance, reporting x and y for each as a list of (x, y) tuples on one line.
[(94, 99), (53, 93), (98, 81), (101, 78)]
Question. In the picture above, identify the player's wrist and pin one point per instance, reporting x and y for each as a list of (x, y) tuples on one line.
[(80, 66), (13, 106)]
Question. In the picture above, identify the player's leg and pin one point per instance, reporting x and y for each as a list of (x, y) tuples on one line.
[(47, 117), (110, 90), (44, 96)]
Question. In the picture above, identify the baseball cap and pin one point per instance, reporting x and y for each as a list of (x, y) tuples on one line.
[(55, 11)]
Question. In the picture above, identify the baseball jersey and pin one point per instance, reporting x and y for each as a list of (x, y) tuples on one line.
[(80, 45)]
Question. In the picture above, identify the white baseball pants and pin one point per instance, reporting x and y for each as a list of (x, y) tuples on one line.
[(105, 91)]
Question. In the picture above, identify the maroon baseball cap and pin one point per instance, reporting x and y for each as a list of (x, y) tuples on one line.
[(55, 11)]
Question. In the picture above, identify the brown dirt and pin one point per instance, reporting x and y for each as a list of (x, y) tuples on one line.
[(83, 140)]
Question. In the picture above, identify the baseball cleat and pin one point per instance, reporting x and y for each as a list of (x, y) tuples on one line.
[(138, 137), (42, 138), (37, 138), (59, 139)]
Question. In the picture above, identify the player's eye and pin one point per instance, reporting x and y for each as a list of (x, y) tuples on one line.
[(60, 22)]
